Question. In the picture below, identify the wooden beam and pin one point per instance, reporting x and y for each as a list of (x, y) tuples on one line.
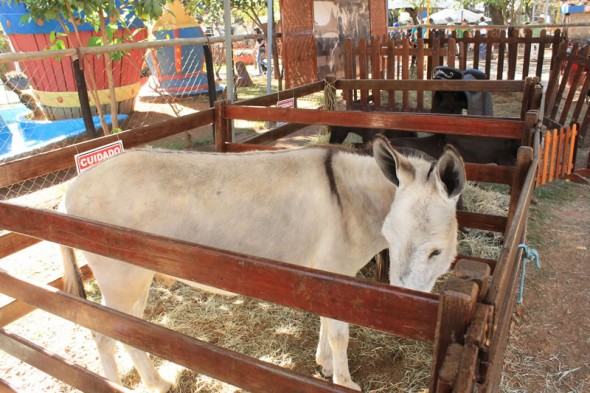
[(449, 369), (5, 387), (240, 370), (17, 309), (482, 221), (489, 173), (275, 134), (244, 147), (456, 308), (458, 125), (56, 366), (504, 280), (476, 271), (432, 85), (11, 242), (390, 309), (467, 373)]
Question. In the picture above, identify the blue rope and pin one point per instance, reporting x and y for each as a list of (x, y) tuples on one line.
[(529, 254)]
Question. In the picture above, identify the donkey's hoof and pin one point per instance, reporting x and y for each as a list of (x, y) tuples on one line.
[(162, 386), (327, 372), (350, 385)]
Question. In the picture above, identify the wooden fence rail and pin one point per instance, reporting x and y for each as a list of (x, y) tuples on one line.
[(223, 364)]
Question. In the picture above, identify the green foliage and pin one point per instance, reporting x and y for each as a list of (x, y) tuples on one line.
[(210, 12), (56, 43), (104, 15), (89, 11)]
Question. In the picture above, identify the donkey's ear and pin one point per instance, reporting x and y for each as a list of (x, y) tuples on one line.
[(451, 172), (393, 164)]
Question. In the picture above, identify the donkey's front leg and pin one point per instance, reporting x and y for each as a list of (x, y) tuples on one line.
[(336, 333)]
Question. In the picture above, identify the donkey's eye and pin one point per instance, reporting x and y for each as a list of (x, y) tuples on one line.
[(434, 253)]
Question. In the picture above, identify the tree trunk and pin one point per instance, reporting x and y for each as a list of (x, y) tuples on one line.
[(110, 78), (496, 14)]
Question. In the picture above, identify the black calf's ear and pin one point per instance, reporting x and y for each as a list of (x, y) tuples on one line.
[(392, 163), (451, 171)]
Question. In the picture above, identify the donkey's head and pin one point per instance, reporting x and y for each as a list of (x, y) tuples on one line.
[(421, 226)]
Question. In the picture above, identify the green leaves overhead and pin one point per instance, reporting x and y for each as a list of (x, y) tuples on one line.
[(89, 11), (211, 11)]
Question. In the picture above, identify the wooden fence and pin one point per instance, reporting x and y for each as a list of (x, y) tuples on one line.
[(508, 55), (468, 323), (567, 89), (460, 363), (567, 98), (390, 59), (556, 155)]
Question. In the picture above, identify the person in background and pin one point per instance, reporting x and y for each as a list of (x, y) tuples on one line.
[(461, 33), (463, 29), (449, 32), (396, 34), (483, 32), (260, 50)]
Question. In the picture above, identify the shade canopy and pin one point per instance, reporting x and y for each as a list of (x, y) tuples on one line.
[(442, 17)]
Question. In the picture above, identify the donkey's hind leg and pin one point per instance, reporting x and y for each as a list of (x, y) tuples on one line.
[(323, 355), (337, 336), (125, 288)]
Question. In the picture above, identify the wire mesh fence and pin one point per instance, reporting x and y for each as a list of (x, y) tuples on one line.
[(43, 95)]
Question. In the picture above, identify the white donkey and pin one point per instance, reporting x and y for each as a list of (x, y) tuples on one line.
[(320, 207)]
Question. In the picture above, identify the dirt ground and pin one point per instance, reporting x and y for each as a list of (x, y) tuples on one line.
[(549, 347)]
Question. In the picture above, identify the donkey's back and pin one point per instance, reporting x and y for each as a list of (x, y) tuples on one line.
[(278, 205)]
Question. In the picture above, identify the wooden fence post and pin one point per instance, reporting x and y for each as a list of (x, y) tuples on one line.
[(222, 127), (391, 73), (456, 308), (555, 48), (501, 54), (382, 270), (419, 76), (329, 99), (363, 73), (464, 50), (572, 150), (490, 39), (348, 71), (527, 52), (524, 158), (512, 52), (83, 95), (451, 53), (376, 72), (541, 54), (553, 156), (504, 305), (211, 92), (560, 162)]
